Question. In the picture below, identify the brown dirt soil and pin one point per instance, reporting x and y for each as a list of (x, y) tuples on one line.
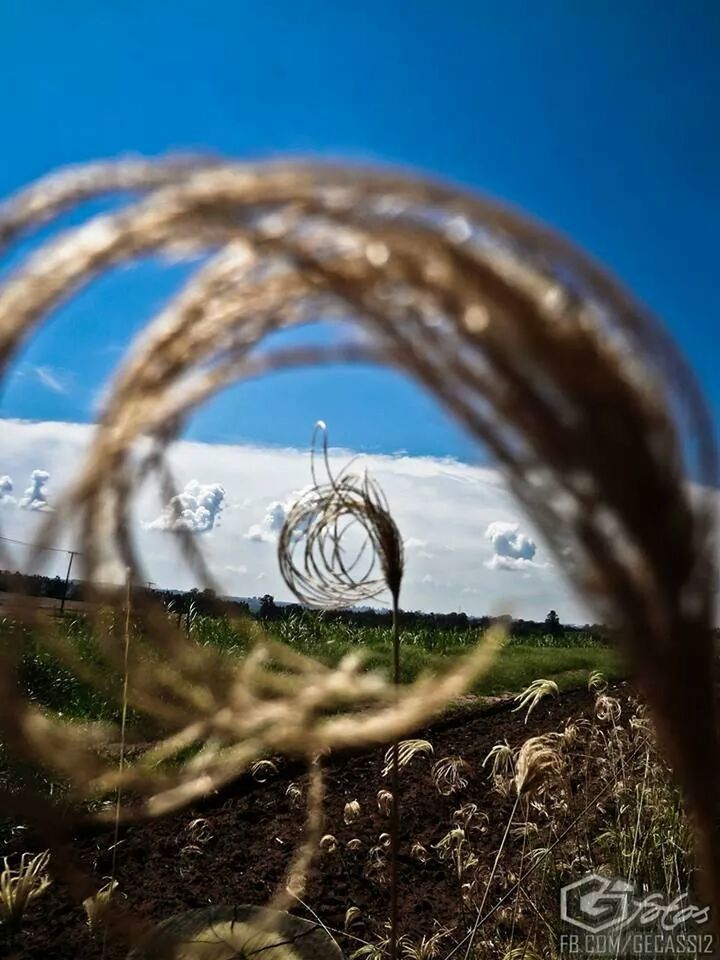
[(253, 830)]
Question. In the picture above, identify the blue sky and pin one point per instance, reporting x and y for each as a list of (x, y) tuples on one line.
[(600, 117)]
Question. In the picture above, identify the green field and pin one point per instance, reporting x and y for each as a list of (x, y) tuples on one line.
[(424, 650)]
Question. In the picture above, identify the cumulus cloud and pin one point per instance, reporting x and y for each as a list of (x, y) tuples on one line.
[(35, 495), (512, 549), (268, 530), (6, 488), (197, 509)]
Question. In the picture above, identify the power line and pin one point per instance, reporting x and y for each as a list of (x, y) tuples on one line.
[(41, 546)]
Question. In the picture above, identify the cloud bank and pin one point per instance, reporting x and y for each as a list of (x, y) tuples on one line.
[(462, 529)]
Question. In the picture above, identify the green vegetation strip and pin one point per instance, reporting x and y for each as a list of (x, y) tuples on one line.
[(423, 651)]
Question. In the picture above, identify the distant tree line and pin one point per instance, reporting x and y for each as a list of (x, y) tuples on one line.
[(207, 603)]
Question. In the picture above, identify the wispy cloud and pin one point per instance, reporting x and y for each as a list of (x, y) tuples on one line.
[(54, 380)]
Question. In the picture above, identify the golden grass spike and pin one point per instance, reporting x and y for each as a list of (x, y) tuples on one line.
[(538, 764)]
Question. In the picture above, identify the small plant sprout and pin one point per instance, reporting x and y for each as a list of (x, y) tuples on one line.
[(18, 888), (354, 845), (501, 760), (532, 695), (450, 775), (97, 906), (352, 915), (597, 682), (407, 749), (384, 802), (351, 812)]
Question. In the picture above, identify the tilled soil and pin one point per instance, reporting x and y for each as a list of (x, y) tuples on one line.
[(240, 851)]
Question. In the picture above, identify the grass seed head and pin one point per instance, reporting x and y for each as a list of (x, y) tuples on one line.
[(351, 811), (538, 764), (607, 709), (450, 775), (501, 759), (97, 907), (597, 683), (419, 852), (294, 795), (328, 843), (20, 887), (533, 694), (407, 749), (384, 802)]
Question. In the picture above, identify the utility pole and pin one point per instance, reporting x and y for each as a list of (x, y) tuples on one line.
[(67, 580)]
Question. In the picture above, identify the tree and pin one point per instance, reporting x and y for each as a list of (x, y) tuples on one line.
[(552, 622), (267, 607)]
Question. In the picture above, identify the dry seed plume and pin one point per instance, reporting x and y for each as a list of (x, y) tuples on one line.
[(339, 544), (539, 353)]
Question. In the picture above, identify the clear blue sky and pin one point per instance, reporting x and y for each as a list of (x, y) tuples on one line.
[(600, 116)]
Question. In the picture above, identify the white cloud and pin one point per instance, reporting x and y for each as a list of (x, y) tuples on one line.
[(6, 488), (197, 509), (443, 509), (268, 530), (512, 549), (35, 496)]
